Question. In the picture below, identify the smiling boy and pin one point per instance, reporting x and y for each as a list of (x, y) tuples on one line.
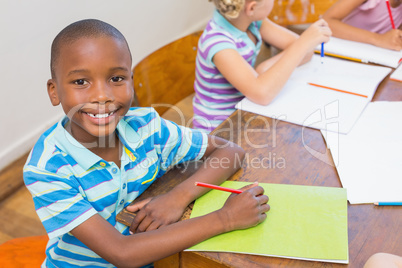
[(103, 154)]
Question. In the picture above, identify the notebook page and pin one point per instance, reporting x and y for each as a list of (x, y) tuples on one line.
[(342, 74), (362, 51), (321, 108), (304, 222), (368, 158), (397, 74)]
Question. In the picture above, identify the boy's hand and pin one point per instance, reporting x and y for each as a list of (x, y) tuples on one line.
[(317, 33), (244, 210), (155, 212), (390, 40), (138, 205)]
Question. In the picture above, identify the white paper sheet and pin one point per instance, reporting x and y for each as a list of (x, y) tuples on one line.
[(317, 107), (365, 52), (397, 74), (368, 159)]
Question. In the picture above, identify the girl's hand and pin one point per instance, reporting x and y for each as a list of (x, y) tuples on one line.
[(155, 212), (390, 40), (244, 210), (317, 33)]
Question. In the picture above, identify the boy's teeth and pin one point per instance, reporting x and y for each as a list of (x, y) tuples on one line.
[(100, 115)]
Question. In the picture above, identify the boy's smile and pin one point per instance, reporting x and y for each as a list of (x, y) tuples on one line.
[(93, 83)]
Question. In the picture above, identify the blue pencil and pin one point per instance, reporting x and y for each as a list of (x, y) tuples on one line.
[(322, 52), (388, 204)]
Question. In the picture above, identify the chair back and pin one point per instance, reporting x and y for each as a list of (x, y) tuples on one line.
[(292, 12), (167, 75), (23, 252)]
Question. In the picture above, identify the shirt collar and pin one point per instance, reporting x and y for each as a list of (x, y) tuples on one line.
[(129, 137), (84, 157)]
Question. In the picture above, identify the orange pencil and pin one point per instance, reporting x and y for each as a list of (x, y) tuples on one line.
[(339, 90), (340, 56)]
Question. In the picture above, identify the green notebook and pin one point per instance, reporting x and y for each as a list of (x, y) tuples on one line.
[(304, 222)]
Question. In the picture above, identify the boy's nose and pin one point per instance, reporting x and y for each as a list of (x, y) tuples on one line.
[(102, 93)]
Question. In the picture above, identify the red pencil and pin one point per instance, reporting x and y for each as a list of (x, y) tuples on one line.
[(216, 187), (390, 14)]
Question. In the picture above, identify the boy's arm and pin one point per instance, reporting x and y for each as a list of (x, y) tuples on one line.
[(221, 159), (336, 13), (240, 211)]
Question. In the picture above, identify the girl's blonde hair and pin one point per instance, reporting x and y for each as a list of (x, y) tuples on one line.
[(229, 8)]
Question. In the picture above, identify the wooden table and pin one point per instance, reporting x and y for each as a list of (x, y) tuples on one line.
[(286, 160), (281, 152)]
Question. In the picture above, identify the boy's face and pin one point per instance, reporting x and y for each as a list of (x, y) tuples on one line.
[(93, 83)]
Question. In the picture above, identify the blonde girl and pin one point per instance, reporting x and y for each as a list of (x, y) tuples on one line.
[(227, 51)]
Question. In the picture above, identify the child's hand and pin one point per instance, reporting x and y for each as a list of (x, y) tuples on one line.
[(390, 40), (154, 213), (317, 33), (245, 210)]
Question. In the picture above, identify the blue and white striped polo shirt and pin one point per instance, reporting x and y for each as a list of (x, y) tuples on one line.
[(69, 183), (215, 97)]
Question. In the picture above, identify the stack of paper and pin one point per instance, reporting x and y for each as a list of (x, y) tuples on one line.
[(361, 52), (397, 74), (328, 96), (305, 222), (368, 159)]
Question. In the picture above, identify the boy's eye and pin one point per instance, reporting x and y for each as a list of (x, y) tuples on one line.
[(80, 82), (116, 79)]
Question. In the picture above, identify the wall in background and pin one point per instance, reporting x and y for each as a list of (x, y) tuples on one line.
[(27, 29)]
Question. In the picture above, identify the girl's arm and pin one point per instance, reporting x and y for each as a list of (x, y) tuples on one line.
[(381, 259), (262, 88), (279, 37), (336, 13)]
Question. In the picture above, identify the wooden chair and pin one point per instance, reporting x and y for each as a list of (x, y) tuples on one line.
[(164, 80), (25, 252), (292, 12)]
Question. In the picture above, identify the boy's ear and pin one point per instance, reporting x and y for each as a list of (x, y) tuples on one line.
[(250, 7), (52, 92)]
